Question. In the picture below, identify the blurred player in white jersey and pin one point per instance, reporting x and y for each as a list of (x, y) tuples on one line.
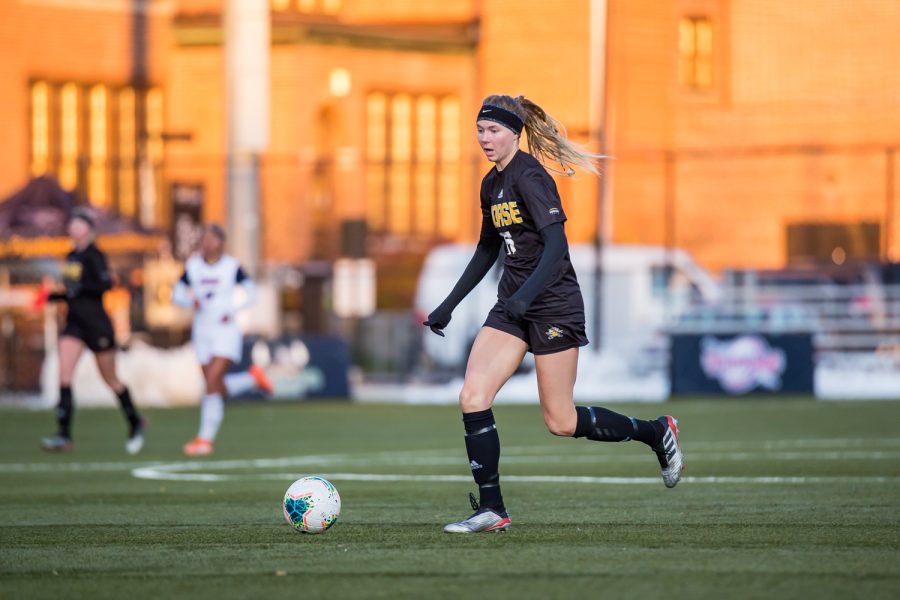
[(208, 287)]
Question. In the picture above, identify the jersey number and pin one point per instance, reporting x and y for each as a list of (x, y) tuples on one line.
[(510, 244)]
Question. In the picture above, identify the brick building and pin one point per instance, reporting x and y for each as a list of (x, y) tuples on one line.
[(753, 132), (738, 128)]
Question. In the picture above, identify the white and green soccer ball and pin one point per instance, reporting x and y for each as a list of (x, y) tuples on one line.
[(312, 505)]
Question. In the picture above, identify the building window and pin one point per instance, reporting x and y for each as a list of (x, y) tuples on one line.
[(376, 156), (425, 220), (87, 137), (399, 217), (450, 220), (328, 7), (413, 164), (154, 119), (98, 159), (68, 135), (825, 242), (695, 51), (127, 150), (40, 128)]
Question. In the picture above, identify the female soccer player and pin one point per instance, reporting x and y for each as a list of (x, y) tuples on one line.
[(86, 277), (539, 305), (208, 286)]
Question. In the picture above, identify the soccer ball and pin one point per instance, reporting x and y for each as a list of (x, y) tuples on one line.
[(312, 505)]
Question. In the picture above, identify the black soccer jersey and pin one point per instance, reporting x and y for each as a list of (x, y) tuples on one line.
[(521, 200), (86, 276)]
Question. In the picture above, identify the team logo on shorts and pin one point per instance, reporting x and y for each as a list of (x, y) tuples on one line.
[(553, 211), (553, 332), (103, 342)]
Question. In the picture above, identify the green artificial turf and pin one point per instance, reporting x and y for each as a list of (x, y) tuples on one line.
[(82, 526)]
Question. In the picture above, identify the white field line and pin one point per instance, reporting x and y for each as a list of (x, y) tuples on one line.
[(47, 467), (424, 461), (604, 480), (74, 467), (514, 455), (200, 471), (523, 454), (161, 474)]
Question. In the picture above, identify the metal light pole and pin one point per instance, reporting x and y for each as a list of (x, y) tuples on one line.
[(139, 79), (247, 107), (599, 44)]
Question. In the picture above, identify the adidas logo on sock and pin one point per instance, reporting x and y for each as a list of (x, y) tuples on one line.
[(475, 466)]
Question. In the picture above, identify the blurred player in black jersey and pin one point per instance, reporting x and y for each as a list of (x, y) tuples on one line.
[(539, 305), (86, 277)]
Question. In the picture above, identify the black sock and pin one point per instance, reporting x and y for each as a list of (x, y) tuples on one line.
[(131, 414), (649, 432), (483, 448), (64, 411), (603, 425)]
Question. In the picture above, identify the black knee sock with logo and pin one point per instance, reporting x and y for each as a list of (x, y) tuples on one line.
[(603, 425), (64, 411), (483, 448), (128, 409)]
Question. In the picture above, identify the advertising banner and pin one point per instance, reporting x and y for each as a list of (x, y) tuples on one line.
[(740, 364), (307, 366)]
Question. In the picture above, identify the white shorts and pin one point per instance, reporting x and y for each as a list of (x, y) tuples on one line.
[(220, 340)]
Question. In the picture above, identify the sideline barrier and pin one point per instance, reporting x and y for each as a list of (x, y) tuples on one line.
[(740, 364), (305, 367)]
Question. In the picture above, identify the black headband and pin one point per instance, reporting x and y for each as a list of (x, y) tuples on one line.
[(83, 214), (216, 230), (508, 119)]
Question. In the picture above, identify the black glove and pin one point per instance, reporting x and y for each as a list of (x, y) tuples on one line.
[(437, 320), (486, 254), (515, 308)]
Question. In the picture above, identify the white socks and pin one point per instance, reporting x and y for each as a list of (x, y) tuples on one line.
[(212, 410), (238, 383)]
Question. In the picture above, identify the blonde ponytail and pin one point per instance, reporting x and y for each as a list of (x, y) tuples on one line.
[(547, 139)]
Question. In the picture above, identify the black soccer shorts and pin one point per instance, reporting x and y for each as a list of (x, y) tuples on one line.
[(96, 331), (541, 337)]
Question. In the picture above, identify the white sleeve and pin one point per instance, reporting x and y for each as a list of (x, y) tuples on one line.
[(249, 294), (181, 294)]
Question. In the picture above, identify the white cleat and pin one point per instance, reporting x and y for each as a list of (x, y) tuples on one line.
[(481, 522), (135, 443), (56, 443), (485, 520), (671, 459)]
